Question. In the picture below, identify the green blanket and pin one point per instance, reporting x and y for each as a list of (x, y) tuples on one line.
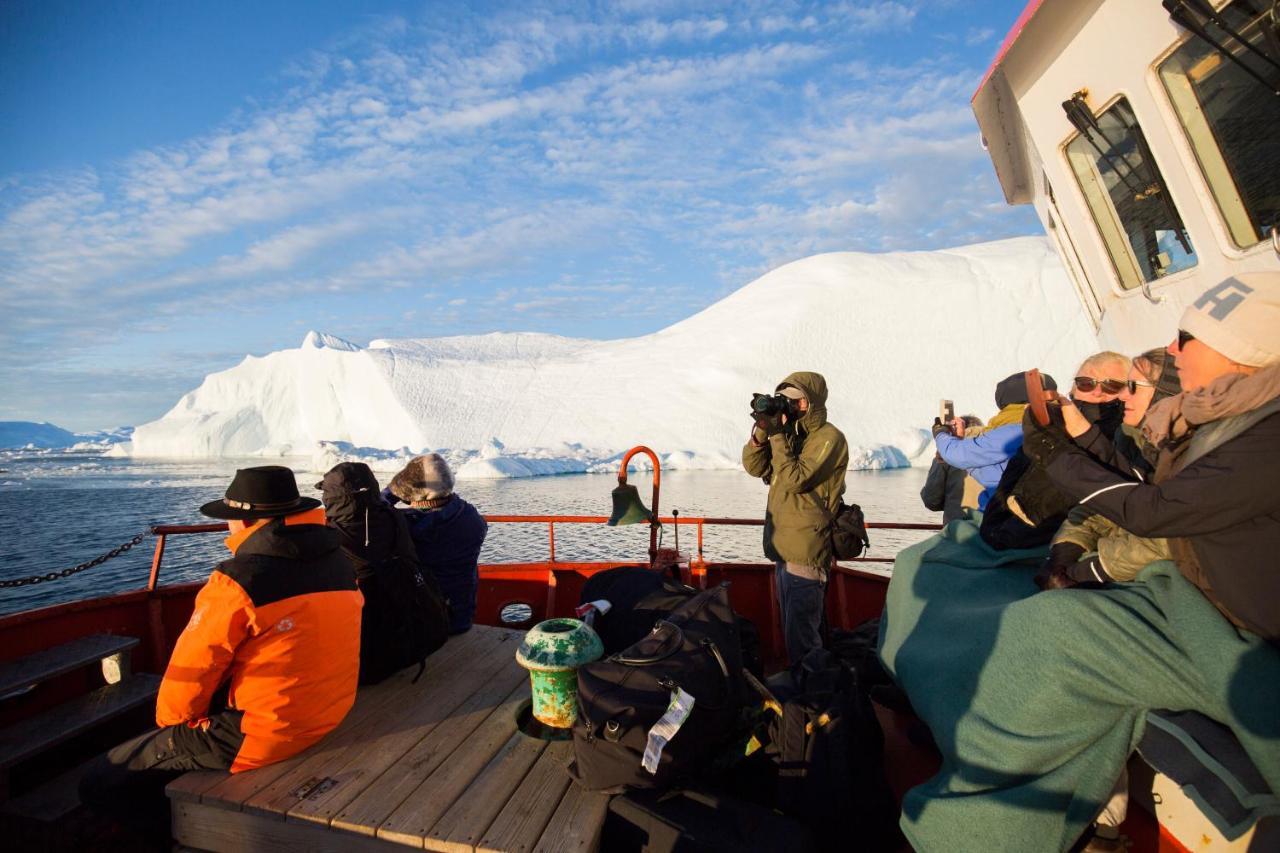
[(1036, 699)]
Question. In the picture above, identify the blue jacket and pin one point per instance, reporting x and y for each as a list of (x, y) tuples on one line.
[(448, 541), (984, 457)]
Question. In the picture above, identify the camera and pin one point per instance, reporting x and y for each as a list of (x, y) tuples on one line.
[(773, 404)]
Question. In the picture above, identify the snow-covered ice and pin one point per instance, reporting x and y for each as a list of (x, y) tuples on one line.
[(45, 436), (892, 333)]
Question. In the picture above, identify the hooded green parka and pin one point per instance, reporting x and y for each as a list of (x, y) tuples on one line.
[(807, 460)]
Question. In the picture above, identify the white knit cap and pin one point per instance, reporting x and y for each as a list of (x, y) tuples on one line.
[(1239, 318)]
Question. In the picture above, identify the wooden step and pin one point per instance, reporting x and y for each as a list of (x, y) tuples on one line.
[(17, 675), (31, 737), (51, 801)]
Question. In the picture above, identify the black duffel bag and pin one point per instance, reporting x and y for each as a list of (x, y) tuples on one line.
[(638, 598), (682, 683)]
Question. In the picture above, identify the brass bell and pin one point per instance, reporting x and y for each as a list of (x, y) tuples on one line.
[(627, 507)]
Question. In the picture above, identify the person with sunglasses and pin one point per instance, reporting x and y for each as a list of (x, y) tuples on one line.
[(1214, 491), (1026, 509), (1090, 548), (1096, 389)]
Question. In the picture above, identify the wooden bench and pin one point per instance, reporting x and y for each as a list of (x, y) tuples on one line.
[(436, 765)]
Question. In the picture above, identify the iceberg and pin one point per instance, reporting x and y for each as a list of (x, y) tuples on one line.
[(893, 333)]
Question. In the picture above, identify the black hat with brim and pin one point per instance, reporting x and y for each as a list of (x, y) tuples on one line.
[(268, 491)]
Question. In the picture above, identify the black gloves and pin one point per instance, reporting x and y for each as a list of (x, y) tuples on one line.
[(1089, 572), (940, 427), (1043, 444), (769, 424), (1053, 574), (1064, 554), (1068, 567)]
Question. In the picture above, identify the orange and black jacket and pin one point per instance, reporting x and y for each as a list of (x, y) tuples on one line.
[(279, 625)]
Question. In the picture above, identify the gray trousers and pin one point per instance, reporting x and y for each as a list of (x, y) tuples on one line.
[(801, 595)]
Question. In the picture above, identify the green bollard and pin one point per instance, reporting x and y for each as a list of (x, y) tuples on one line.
[(552, 651)]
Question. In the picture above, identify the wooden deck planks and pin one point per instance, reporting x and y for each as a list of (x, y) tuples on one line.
[(383, 795), (577, 823), (438, 763), (316, 789), (526, 814), (441, 789), (191, 787), (205, 827), (231, 790), (466, 820)]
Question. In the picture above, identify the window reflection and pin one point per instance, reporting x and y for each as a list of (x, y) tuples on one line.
[(1127, 196), (1220, 91)]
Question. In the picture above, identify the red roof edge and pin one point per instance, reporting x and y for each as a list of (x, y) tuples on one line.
[(1018, 26)]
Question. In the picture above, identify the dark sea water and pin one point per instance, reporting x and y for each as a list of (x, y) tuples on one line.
[(61, 508)]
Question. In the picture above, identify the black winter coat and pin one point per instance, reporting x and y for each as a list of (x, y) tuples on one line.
[(371, 530), (404, 617), (1225, 504), (943, 490)]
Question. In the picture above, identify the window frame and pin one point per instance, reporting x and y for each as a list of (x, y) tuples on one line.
[(1140, 285), (1196, 164)]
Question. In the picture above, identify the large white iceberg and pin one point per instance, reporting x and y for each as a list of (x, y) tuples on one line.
[(892, 333)]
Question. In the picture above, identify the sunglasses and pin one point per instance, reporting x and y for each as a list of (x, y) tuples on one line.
[(1134, 384), (1109, 386), (1184, 338)]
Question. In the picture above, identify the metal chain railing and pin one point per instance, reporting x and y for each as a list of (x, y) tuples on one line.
[(66, 573)]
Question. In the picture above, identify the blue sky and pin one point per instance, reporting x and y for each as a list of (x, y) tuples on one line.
[(185, 183)]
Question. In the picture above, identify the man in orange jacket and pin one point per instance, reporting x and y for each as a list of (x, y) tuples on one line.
[(266, 666)]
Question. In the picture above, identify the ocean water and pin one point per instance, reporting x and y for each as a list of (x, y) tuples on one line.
[(60, 508)]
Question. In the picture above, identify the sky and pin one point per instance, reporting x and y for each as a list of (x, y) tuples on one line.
[(182, 184)]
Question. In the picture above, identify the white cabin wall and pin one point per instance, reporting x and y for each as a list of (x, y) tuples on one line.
[(1111, 50)]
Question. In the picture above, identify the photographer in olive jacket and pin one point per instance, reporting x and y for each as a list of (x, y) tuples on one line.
[(802, 458)]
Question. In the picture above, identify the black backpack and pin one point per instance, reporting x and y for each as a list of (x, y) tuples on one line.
[(828, 749), (404, 619), (694, 652), (638, 598), (1038, 498)]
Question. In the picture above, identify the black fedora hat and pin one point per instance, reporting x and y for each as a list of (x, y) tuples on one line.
[(267, 491)]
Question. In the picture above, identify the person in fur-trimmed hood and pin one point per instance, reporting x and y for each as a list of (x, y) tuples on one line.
[(447, 531), (1214, 493), (803, 459)]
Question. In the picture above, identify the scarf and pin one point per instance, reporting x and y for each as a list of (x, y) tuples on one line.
[(1173, 418), (1010, 414)]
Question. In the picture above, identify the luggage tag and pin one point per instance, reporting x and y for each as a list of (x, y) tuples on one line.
[(587, 612), (665, 729)]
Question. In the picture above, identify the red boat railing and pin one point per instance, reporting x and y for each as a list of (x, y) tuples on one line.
[(515, 594), (161, 531), (524, 592)]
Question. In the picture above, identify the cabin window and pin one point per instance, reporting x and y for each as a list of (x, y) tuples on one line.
[(1231, 116), (1128, 198)]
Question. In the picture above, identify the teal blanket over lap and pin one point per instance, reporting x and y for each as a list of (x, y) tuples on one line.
[(1036, 698)]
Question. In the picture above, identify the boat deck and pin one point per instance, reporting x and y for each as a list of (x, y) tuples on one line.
[(436, 765)]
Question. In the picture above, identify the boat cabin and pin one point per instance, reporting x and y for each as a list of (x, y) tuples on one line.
[(1147, 138)]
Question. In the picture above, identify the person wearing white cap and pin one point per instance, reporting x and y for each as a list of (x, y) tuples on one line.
[(1215, 493)]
